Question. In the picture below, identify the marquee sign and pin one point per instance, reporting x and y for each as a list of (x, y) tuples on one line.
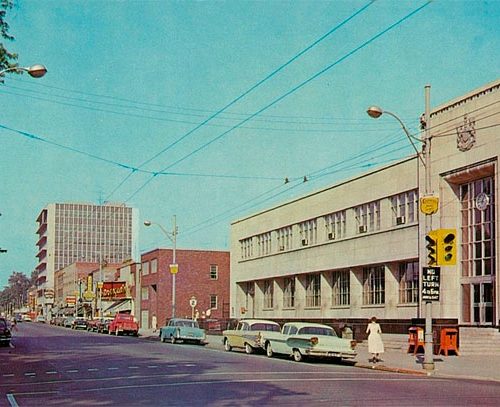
[(113, 290)]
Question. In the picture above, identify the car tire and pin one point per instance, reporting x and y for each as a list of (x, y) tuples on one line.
[(248, 349), (117, 332), (297, 356), (269, 350), (173, 340), (162, 338), (227, 346)]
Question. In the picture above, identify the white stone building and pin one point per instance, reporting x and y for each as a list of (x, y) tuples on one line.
[(350, 251)]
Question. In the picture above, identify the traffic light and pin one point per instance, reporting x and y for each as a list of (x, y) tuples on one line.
[(447, 247), (432, 247)]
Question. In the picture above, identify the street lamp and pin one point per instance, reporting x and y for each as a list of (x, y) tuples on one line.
[(172, 236), (375, 112), (35, 71)]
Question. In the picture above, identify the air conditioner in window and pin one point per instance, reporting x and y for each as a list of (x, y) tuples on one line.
[(331, 236), (362, 229), (282, 248), (305, 242), (400, 220)]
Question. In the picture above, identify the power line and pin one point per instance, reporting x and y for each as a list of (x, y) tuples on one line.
[(291, 91), (255, 86)]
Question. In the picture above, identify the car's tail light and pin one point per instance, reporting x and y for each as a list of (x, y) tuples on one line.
[(314, 340)]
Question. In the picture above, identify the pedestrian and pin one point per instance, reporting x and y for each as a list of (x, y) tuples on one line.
[(375, 344), (154, 323)]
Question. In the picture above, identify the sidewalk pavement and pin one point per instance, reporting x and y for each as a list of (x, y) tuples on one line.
[(397, 360)]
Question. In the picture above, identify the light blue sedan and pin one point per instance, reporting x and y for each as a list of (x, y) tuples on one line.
[(185, 330)]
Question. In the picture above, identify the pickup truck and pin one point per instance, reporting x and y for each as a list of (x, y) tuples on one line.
[(123, 324), (303, 339)]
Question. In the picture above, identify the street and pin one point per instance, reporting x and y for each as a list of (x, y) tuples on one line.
[(57, 366)]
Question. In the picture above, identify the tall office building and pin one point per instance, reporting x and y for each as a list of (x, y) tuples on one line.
[(71, 232)]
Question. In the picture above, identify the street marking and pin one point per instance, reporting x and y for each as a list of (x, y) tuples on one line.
[(8, 375), (171, 365), (152, 367), (189, 365), (51, 372), (112, 368), (30, 374), (12, 400), (92, 369), (72, 371), (133, 367)]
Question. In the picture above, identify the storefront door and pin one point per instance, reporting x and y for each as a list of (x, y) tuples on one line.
[(482, 304)]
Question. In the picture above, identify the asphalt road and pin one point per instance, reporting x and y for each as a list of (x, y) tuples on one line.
[(53, 366)]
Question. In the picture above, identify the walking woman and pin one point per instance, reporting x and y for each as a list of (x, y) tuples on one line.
[(375, 344)]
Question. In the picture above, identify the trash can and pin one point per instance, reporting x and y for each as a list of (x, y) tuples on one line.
[(415, 339), (347, 332), (448, 341)]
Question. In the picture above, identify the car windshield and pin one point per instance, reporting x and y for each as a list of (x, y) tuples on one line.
[(265, 327), (316, 330)]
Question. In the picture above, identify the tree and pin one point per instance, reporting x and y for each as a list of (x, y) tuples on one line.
[(7, 59)]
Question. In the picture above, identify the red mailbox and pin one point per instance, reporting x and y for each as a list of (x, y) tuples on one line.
[(415, 339), (448, 341)]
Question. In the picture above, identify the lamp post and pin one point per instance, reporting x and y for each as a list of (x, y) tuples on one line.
[(172, 236), (35, 71), (375, 112)]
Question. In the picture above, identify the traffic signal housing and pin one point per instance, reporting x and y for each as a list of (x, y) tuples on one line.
[(447, 247), (432, 247)]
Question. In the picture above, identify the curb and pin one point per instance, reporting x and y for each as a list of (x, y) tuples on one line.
[(392, 369)]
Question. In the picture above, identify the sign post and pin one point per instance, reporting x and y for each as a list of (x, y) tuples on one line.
[(431, 279), (193, 303)]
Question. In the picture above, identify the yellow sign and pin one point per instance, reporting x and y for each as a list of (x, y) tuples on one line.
[(174, 268), (88, 295), (429, 204)]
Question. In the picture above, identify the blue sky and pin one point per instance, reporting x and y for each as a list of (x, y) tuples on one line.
[(129, 79)]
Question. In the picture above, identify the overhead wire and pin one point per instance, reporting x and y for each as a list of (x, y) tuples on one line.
[(288, 93)]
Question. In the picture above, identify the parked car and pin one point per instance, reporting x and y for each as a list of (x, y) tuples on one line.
[(123, 324), (92, 324), (79, 323), (103, 325), (40, 319), (180, 329), (304, 339), (27, 318), (59, 320), (68, 322), (5, 334), (246, 333)]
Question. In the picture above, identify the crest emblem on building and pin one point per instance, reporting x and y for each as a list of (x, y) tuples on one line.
[(466, 134)]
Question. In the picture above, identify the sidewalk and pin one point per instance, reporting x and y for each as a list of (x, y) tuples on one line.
[(395, 359)]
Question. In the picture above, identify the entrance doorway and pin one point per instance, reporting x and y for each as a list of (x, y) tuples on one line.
[(478, 247)]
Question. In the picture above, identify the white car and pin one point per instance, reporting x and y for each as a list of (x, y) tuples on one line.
[(304, 339)]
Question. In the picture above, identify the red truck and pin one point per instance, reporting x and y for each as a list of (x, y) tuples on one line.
[(123, 324)]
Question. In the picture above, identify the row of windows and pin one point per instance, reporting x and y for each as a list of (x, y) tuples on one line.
[(339, 283), (213, 300), (151, 267), (333, 226)]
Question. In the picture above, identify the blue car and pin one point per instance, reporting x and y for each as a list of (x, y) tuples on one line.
[(185, 330)]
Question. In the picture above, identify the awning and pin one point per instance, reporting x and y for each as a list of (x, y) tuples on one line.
[(119, 306)]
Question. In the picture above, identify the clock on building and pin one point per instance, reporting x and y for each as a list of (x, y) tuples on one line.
[(482, 201)]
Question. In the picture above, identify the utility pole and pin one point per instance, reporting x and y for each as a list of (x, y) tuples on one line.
[(428, 363)]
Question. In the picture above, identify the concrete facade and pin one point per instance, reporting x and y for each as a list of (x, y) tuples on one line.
[(352, 250), (202, 274)]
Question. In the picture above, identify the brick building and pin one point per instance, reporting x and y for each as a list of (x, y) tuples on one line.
[(202, 275)]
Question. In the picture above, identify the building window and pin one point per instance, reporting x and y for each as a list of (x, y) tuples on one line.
[(246, 248), (313, 290), (308, 232), (373, 285), (268, 294), (145, 268), (144, 293), (289, 292), (214, 272), (264, 242), (284, 236), (368, 217), (335, 225), (341, 288), (408, 282), (404, 208), (154, 266), (213, 301)]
